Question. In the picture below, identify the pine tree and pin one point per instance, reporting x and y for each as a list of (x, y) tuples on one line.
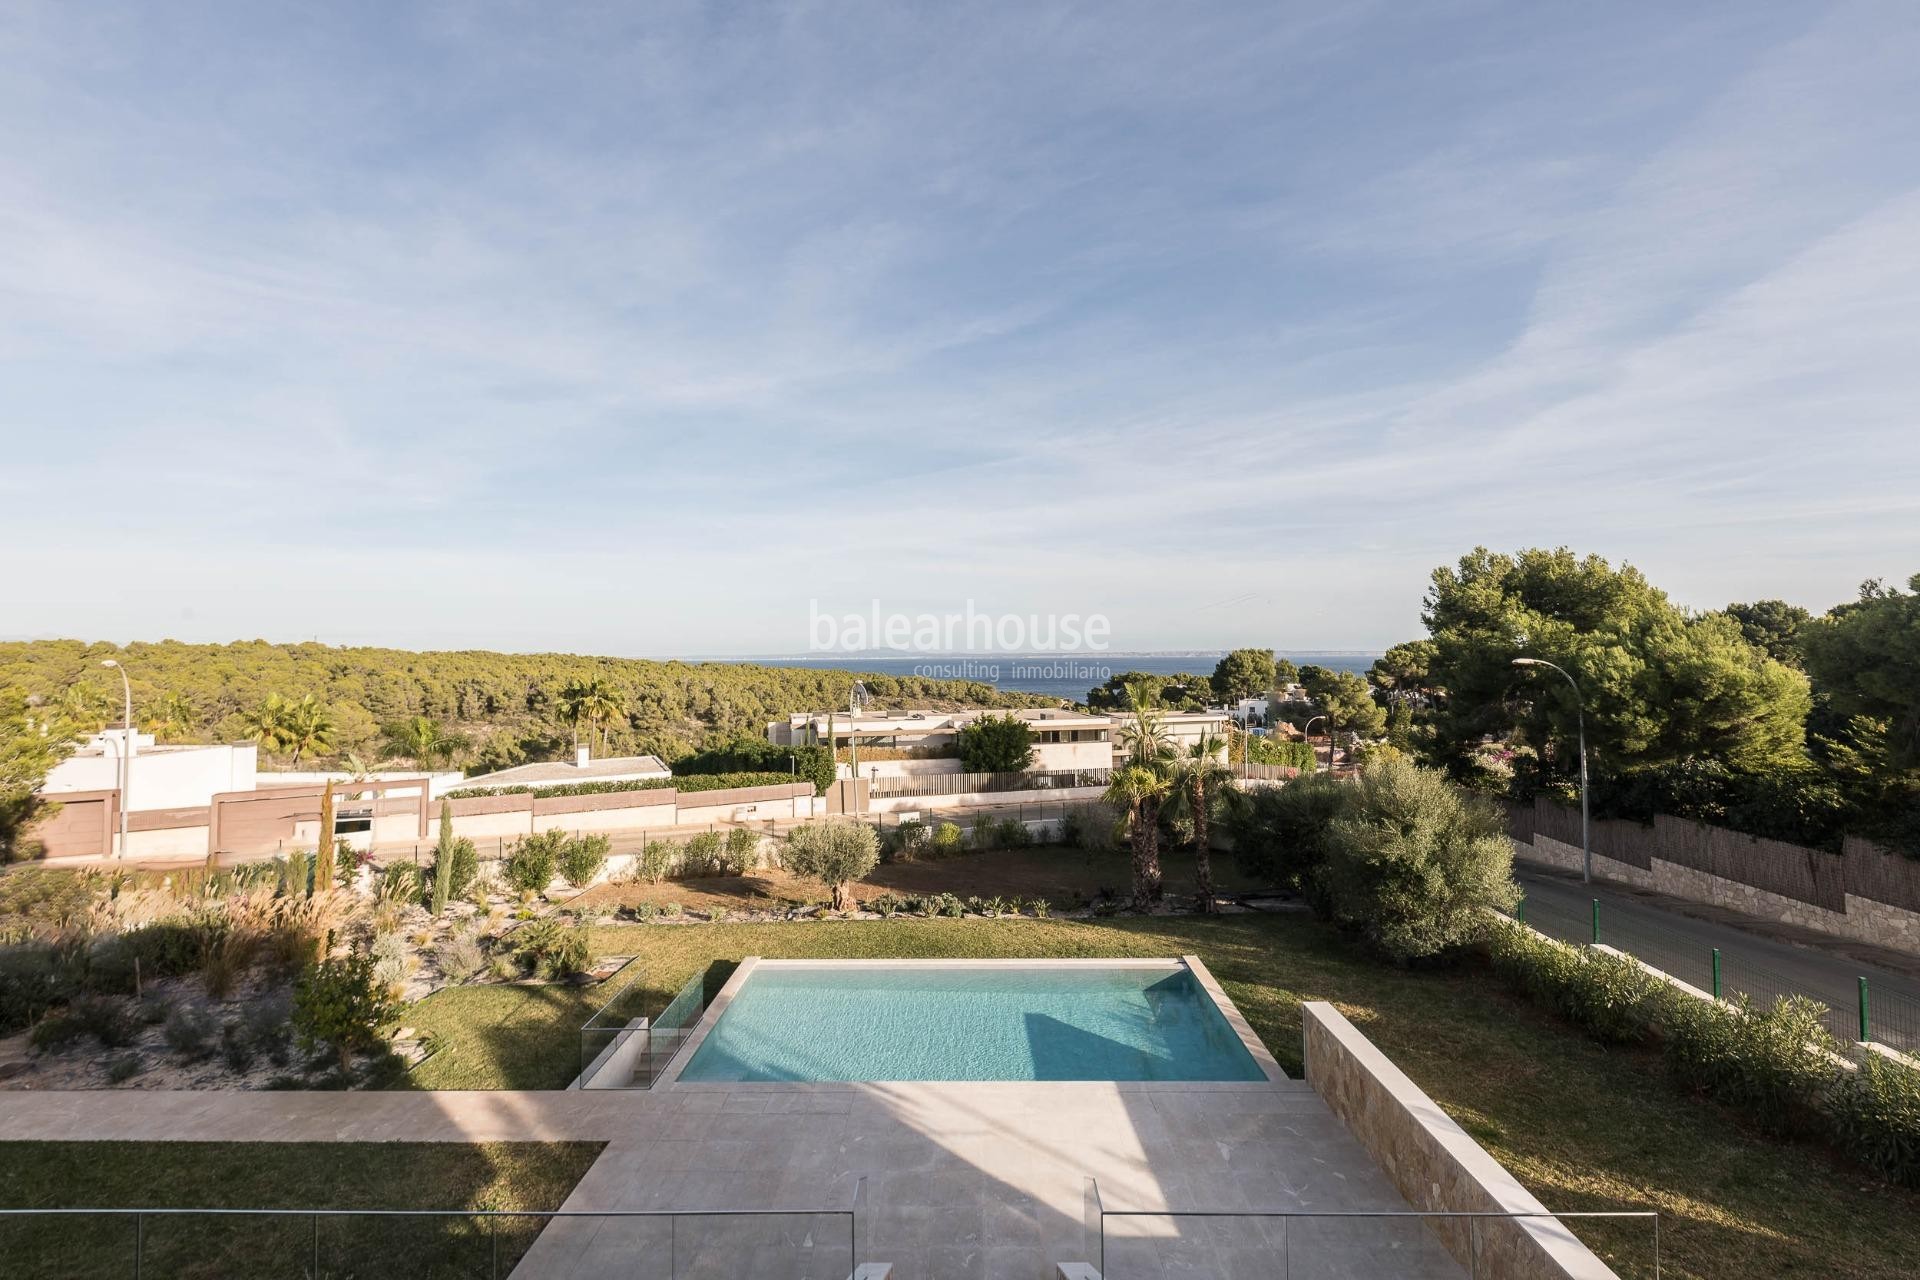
[(323, 856)]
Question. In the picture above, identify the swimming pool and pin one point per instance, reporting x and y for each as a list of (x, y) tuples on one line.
[(945, 1020)]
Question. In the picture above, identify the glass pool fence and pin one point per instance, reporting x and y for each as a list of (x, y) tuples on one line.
[(621, 1048)]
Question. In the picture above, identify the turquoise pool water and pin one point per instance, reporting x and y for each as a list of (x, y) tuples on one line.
[(935, 1023)]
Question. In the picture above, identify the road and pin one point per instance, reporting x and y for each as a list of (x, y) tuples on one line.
[(1758, 958)]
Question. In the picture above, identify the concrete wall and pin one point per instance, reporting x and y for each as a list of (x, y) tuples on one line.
[(1433, 1162), (159, 777), (980, 799), (1864, 919)]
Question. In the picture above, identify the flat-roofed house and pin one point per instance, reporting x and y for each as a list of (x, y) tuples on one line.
[(929, 741)]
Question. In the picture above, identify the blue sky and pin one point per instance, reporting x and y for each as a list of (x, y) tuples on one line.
[(636, 328)]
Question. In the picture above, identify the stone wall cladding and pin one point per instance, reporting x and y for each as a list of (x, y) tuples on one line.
[(1864, 920), (1432, 1161)]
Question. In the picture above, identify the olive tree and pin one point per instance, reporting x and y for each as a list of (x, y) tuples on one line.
[(835, 853)]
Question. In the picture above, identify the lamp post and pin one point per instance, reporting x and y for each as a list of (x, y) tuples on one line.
[(856, 699), (126, 748), (1306, 732), (1586, 850)]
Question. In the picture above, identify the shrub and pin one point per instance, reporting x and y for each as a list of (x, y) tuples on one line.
[(1756, 1060), (767, 760), (123, 1068), (1611, 996), (948, 838), (341, 1006), (347, 862), (189, 1032), (1040, 907), (268, 1028), (582, 858), (835, 853), (1280, 834), (529, 865), (296, 879), (945, 904), (1414, 863), (885, 904), (56, 1031), (656, 860), (1013, 834), (389, 951), (1072, 828), (460, 958), (1876, 1118), (743, 851), (399, 882), (908, 840), (703, 856), (552, 949), (996, 744), (236, 1047), (30, 985)]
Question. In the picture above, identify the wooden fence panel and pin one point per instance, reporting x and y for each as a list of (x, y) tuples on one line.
[(1879, 874), (1777, 867), (1624, 840), (1682, 841)]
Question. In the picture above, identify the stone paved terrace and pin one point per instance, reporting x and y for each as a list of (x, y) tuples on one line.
[(964, 1180)]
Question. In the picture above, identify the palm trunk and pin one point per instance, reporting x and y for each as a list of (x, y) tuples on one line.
[(1150, 859), (1202, 859), (1137, 836)]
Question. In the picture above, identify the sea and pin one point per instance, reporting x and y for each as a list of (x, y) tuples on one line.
[(1068, 676)]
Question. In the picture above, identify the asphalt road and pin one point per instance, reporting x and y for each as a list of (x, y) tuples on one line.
[(1757, 958)]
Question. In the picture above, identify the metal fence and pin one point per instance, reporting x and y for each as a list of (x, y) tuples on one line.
[(371, 1244), (1306, 1245), (952, 784), (1853, 1011)]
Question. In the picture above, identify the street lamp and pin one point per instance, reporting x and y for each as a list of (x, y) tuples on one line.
[(856, 699), (126, 748), (1586, 850), (1306, 731)]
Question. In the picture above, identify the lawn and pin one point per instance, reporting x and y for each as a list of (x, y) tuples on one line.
[(1585, 1127), (315, 1175)]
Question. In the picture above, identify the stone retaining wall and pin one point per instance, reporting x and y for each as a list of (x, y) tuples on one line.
[(1433, 1162)]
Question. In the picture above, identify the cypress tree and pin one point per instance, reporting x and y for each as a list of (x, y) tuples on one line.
[(443, 859), (323, 856)]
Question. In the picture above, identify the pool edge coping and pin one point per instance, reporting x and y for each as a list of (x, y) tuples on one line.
[(710, 1017)]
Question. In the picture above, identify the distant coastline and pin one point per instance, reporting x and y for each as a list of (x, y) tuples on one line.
[(1068, 676)]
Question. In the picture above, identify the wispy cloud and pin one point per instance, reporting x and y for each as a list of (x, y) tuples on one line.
[(456, 324)]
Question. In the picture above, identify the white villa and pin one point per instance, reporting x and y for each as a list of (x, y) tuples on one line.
[(582, 768), (926, 742), (912, 742)]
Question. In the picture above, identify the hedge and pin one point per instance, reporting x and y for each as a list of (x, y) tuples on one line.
[(697, 782), (1776, 1065)]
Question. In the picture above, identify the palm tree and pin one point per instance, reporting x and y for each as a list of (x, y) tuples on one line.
[(1145, 735), (1196, 780), (174, 716), (266, 724), (1140, 790), (422, 741), (306, 726), (592, 700)]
